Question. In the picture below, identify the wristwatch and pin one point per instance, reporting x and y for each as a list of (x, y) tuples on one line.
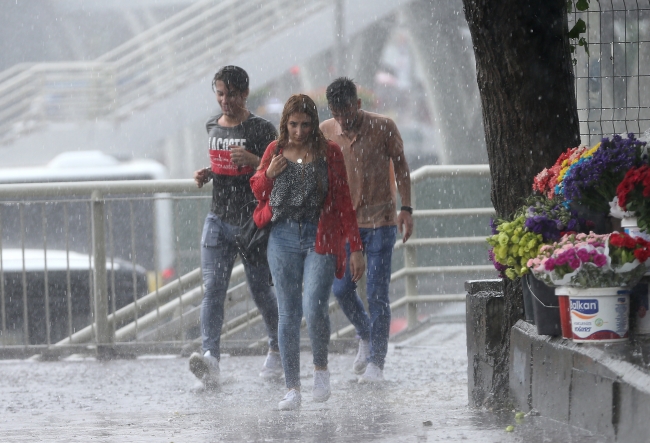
[(407, 209)]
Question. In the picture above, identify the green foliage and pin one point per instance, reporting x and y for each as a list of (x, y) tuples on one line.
[(580, 27)]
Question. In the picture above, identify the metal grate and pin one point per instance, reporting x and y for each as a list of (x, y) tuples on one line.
[(613, 81)]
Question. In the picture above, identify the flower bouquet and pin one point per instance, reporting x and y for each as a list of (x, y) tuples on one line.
[(592, 261), (552, 218), (547, 182), (512, 246), (540, 220), (633, 196), (592, 179)]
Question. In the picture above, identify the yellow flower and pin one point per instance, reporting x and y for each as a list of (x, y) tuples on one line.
[(590, 152)]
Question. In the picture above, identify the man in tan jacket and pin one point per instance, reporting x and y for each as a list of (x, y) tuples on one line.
[(375, 163)]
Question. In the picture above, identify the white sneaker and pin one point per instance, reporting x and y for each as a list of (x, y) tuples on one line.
[(361, 361), (290, 401), (321, 390), (205, 367), (272, 367), (372, 375)]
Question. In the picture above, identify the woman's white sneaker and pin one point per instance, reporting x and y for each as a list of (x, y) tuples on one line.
[(372, 375), (361, 360), (272, 367), (321, 390), (290, 401), (205, 367)]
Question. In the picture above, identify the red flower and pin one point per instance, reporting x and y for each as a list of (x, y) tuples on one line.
[(629, 242), (616, 239), (640, 241), (642, 254)]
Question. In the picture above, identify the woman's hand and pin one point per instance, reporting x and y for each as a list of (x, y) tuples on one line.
[(357, 265), (278, 164)]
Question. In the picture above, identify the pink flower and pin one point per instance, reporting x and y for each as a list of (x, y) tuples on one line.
[(583, 255), (562, 259), (549, 264), (600, 260), (574, 262)]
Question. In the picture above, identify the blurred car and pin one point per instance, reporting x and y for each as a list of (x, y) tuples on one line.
[(25, 275)]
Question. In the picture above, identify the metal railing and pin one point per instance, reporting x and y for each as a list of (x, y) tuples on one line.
[(150, 66), (160, 318)]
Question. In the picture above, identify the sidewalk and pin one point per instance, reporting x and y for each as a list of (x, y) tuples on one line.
[(150, 399)]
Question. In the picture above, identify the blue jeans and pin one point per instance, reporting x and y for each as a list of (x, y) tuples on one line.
[(378, 246), (218, 254), (294, 265)]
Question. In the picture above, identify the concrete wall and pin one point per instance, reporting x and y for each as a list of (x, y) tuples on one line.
[(602, 388)]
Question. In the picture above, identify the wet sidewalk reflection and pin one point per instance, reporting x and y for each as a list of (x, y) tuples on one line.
[(151, 399)]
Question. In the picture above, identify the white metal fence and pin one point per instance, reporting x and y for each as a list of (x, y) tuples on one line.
[(81, 267)]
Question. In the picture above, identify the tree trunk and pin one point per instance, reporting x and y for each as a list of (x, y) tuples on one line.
[(526, 84)]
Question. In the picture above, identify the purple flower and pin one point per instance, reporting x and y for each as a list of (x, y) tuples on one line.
[(574, 262), (600, 260), (498, 266), (562, 259), (593, 180), (584, 255), (573, 225), (549, 264), (493, 226)]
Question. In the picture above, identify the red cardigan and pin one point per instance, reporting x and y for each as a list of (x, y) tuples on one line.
[(338, 221)]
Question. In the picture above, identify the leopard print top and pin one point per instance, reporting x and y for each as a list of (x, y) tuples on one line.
[(299, 191)]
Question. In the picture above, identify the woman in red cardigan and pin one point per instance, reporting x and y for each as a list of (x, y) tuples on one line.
[(302, 180)]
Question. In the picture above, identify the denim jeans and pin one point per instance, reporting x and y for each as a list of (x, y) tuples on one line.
[(218, 254), (378, 246), (296, 265)]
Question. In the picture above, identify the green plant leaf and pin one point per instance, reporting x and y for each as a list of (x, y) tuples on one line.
[(579, 28), (582, 5), (583, 42)]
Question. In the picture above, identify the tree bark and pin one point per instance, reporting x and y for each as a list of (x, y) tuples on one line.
[(525, 79)]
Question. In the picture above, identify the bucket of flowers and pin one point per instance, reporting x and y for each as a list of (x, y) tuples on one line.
[(592, 274), (539, 221)]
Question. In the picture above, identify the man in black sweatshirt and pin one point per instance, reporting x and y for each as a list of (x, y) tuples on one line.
[(236, 141)]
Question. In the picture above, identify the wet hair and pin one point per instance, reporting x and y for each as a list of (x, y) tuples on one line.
[(233, 76), (341, 93), (303, 104)]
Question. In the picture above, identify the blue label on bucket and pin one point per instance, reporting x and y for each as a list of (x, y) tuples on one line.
[(585, 306)]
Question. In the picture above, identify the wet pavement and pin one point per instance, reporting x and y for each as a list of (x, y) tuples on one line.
[(150, 399)]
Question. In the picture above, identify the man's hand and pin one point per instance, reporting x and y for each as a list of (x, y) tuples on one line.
[(241, 157), (405, 223), (278, 164), (357, 265), (202, 176)]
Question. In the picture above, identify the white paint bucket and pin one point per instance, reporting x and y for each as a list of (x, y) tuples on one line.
[(630, 228), (599, 315)]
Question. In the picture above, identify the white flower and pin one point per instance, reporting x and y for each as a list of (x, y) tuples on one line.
[(616, 211)]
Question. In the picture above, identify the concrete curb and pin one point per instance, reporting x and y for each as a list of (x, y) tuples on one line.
[(604, 389)]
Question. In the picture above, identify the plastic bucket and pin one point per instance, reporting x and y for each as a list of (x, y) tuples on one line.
[(565, 315), (640, 307), (630, 228), (546, 308), (529, 314), (598, 315)]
